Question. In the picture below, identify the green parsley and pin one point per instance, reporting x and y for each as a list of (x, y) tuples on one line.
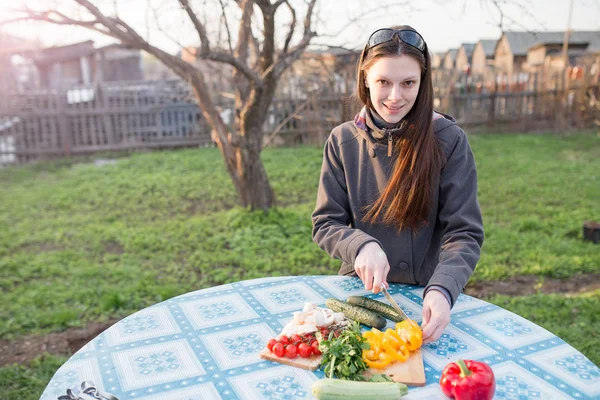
[(342, 355)]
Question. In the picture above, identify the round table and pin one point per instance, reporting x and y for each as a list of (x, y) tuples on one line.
[(206, 344)]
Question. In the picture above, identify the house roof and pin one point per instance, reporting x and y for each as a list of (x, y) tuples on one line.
[(452, 53), (489, 46), (520, 42), (63, 53), (469, 47)]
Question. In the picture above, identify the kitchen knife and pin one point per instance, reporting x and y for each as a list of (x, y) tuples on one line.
[(394, 304)]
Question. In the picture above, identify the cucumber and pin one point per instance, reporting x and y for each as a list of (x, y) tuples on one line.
[(337, 389), (380, 308), (357, 313)]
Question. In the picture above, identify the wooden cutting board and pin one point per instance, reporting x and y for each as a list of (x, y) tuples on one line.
[(411, 372), (311, 363)]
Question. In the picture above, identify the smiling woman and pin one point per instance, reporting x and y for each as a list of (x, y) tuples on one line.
[(397, 198), (393, 84)]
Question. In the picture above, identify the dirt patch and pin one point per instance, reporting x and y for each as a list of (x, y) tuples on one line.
[(113, 247), (25, 349), (40, 247), (528, 285)]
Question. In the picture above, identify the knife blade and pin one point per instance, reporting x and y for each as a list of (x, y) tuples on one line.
[(394, 304)]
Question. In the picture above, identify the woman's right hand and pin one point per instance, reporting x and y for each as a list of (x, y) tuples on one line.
[(372, 267)]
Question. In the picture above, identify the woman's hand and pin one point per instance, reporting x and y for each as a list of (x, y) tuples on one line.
[(372, 267), (436, 315)]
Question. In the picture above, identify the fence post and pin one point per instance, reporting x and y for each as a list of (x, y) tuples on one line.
[(63, 121), (492, 109)]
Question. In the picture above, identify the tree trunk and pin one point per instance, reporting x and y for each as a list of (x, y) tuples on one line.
[(255, 191), (240, 151)]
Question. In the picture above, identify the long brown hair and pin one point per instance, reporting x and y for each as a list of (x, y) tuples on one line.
[(407, 199)]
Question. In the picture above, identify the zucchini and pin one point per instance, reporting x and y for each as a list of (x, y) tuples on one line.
[(337, 389), (357, 313), (380, 308)]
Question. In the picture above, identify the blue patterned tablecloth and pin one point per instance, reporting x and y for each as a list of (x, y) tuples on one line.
[(205, 345)]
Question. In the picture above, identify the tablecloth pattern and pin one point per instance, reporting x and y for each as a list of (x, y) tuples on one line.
[(205, 345)]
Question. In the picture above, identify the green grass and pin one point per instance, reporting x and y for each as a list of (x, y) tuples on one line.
[(535, 193), (27, 382), (80, 243)]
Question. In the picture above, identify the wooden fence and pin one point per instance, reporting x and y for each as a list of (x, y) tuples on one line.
[(105, 117), (145, 114)]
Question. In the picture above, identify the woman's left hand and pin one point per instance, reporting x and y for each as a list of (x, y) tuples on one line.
[(436, 315)]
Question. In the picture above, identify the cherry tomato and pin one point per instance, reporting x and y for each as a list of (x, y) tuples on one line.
[(284, 339), (291, 351), (315, 348), (295, 338), (271, 343), (310, 337), (304, 350), (278, 349)]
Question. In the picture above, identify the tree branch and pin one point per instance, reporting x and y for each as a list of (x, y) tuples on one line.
[(204, 43), (226, 26), (267, 54), (504, 19), (285, 60), (237, 64), (244, 30), (292, 27), (295, 113), (206, 53)]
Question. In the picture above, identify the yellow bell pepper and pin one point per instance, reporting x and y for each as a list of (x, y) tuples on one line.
[(410, 333), (395, 346), (383, 361), (374, 338)]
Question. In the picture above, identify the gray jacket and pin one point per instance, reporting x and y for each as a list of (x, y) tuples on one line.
[(356, 168)]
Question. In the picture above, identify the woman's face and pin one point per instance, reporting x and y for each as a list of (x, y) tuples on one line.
[(393, 84)]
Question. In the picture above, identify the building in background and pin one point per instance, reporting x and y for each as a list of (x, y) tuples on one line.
[(330, 70), (15, 72), (155, 70), (436, 60), (583, 46), (83, 64), (448, 62), (464, 57), (512, 51), (483, 56), (118, 63)]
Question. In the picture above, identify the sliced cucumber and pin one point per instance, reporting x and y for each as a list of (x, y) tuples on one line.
[(357, 313), (380, 308)]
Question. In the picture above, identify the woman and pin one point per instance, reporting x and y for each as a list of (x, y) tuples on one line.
[(397, 199)]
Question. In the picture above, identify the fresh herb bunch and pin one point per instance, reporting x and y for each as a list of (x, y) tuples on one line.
[(342, 355)]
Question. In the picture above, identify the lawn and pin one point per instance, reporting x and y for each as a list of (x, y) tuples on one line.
[(82, 243)]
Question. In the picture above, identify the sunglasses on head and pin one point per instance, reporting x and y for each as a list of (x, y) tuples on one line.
[(407, 36)]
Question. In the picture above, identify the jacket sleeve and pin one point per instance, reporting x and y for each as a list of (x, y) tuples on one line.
[(460, 220), (332, 215)]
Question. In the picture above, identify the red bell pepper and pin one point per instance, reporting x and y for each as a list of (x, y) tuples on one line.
[(468, 380)]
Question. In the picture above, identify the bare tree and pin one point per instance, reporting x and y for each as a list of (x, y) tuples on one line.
[(255, 82)]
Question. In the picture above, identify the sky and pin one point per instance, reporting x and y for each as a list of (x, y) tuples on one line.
[(443, 23)]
